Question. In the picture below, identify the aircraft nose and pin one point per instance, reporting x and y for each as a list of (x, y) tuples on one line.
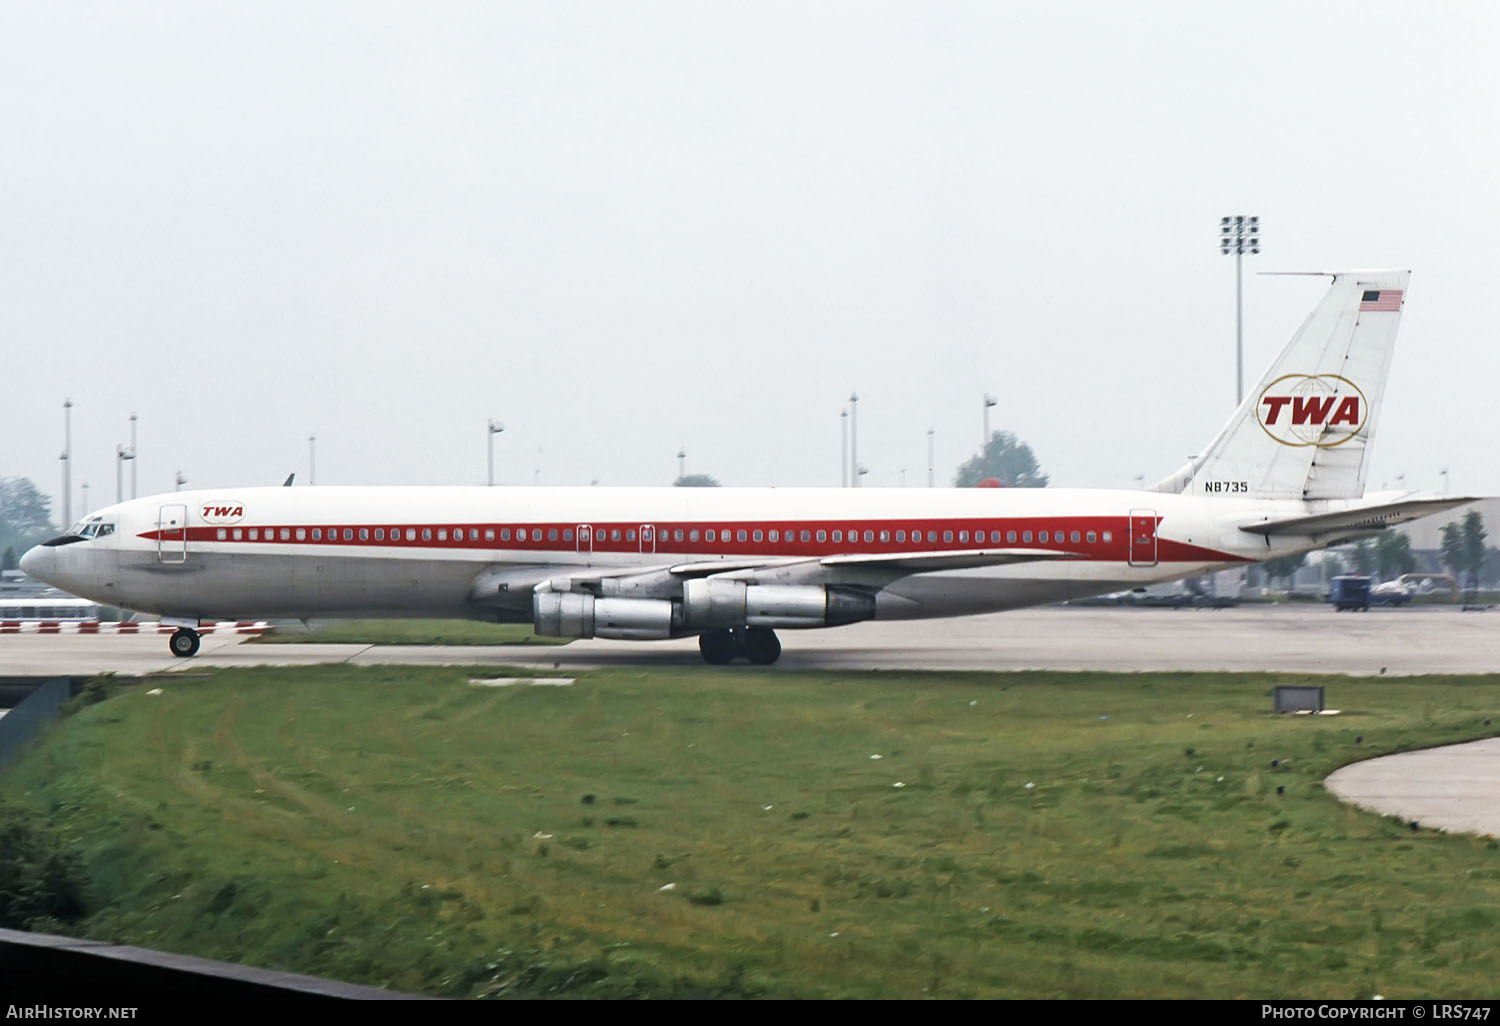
[(35, 562)]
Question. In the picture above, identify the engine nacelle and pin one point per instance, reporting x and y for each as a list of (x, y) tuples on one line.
[(568, 614), (711, 603)]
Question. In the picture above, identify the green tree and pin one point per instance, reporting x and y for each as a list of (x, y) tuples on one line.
[(1393, 555), (1361, 557), (25, 516), (1464, 548), (696, 481), (1007, 459), (1284, 567)]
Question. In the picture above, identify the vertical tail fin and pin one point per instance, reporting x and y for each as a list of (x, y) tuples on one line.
[(1304, 432)]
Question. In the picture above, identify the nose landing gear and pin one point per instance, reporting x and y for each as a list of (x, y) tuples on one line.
[(184, 642)]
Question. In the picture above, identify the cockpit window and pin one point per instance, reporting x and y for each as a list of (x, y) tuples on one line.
[(94, 527)]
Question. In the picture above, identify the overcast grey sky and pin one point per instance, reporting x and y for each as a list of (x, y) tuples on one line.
[(622, 228)]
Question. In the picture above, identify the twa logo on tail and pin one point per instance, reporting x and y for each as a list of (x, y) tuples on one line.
[(1312, 409)]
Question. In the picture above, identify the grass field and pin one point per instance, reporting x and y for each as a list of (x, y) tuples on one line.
[(407, 632), (763, 833)]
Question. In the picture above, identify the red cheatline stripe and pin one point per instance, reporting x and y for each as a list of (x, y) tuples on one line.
[(677, 537)]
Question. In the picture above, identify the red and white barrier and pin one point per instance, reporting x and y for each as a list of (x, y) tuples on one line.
[(126, 627)]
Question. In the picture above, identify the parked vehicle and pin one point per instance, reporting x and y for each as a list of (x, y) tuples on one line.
[(1391, 593), (1350, 591)]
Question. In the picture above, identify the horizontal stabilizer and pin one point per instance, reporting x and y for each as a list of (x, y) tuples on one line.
[(1363, 518)]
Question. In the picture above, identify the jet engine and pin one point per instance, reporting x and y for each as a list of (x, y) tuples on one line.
[(716, 603)]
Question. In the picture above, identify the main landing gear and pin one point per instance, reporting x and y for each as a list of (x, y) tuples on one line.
[(184, 642), (757, 644)]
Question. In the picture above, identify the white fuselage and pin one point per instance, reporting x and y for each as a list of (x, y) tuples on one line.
[(480, 552)]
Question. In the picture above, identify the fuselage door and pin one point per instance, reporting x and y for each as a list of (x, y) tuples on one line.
[(648, 538), (585, 535), (1143, 537), (171, 534)]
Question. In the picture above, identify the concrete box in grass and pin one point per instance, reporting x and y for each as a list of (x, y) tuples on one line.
[(1297, 698)]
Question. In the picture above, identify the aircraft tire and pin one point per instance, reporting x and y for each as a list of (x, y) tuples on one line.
[(184, 643), (762, 647), (717, 647)]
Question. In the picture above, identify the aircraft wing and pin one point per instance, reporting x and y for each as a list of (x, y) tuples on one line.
[(1364, 518)]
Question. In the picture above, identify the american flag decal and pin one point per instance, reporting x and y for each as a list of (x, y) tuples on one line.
[(1381, 299)]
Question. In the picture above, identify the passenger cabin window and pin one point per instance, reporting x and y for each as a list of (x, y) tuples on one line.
[(223, 534), (364, 534), (302, 534)]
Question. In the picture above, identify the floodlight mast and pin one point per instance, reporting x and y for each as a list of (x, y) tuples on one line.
[(1239, 235)]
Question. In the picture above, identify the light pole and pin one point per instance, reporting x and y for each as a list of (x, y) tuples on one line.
[(1237, 235), (312, 460), (180, 482), (134, 478), (984, 443), (120, 457), (681, 462), (1444, 472), (844, 447), (854, 438), (67, 462), (495, 428), (930, 461), (85, 487)]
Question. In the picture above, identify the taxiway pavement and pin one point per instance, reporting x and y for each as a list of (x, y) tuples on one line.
[(1288, 639)]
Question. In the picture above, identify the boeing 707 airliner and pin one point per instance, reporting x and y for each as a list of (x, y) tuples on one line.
[(732, 566)]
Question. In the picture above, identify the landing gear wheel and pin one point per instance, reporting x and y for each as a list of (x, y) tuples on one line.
[(184, 643), (718, 647), (761, 646)]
